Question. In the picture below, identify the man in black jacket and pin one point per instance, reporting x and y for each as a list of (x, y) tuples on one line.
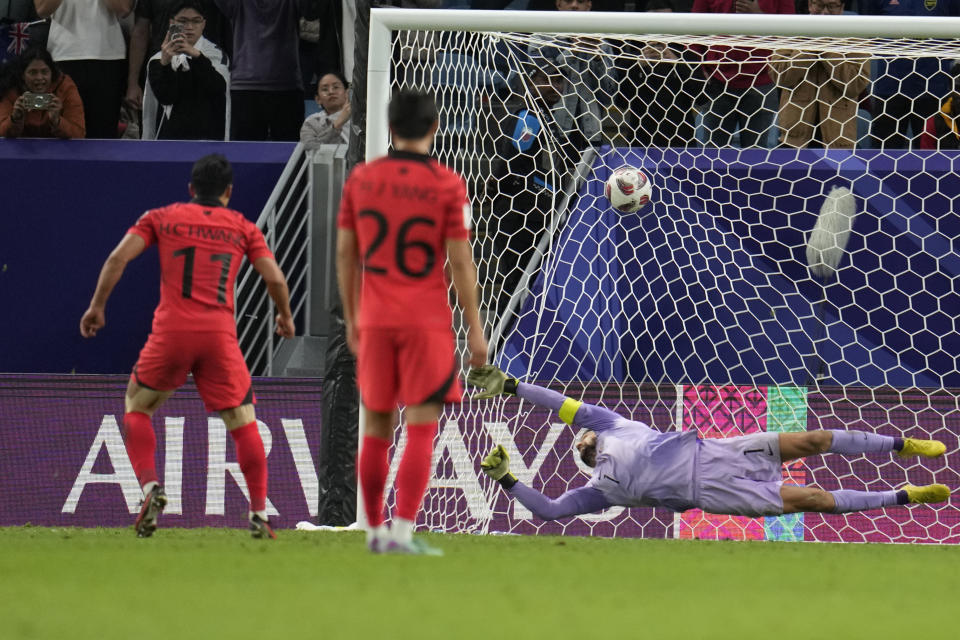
[(190, 81)]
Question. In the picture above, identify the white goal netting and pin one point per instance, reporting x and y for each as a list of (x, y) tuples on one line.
[(718, 307)]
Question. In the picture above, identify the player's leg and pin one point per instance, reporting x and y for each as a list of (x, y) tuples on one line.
[(799, 499), (796, 499), (413, 475), (377, 381), (804, 444), (428, 378), (141, 444), (809, 443), (241, 423), (224, 383), (160, 369), (373, 466), (140, 403)]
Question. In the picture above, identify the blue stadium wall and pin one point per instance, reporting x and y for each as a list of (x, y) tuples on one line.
[(711, 283), (65, 205)]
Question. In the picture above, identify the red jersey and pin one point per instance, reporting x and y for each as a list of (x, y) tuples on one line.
[(200, 247), (403, 208)]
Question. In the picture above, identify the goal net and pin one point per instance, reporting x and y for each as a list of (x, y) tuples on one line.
[(797, 269)]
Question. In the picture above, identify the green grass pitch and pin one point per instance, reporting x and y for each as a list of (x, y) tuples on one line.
[(73, 584)]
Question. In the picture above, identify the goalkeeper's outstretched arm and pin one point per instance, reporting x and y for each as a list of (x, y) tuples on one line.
[(574, 412), (572, 503)]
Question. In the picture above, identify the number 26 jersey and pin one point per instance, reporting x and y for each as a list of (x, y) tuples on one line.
[(403, 208), (201, 247)]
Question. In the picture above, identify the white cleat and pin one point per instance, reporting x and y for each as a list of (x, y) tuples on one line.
[(413, 547)]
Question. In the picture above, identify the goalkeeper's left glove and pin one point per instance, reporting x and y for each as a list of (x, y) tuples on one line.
[(492, 380), (497, 466)]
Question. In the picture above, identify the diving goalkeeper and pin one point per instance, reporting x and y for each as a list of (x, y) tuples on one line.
[(636, 466)]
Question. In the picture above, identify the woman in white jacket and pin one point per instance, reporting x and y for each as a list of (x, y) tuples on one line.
[(332, 124)]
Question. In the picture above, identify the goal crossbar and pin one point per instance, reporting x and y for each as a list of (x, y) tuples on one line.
[(383, 22), (687, 23)]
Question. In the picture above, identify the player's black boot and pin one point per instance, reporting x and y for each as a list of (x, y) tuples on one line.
[(260, 528), (150, 509)]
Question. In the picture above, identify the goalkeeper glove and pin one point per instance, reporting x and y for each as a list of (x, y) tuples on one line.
[(493, 381), (497, 466)]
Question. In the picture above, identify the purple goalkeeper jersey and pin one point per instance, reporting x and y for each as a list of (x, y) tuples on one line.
[(638, 466)]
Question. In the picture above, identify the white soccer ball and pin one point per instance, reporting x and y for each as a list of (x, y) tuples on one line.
[(628, 189)]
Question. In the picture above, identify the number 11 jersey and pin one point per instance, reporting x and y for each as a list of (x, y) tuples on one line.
[(201, 246), (403, 208)]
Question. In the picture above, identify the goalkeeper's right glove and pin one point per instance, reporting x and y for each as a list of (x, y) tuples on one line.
[(492, 380), (497, 466)]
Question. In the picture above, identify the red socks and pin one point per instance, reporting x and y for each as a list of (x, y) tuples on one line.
[(373, 464), (253, 463), (141, 444), (413, 474)]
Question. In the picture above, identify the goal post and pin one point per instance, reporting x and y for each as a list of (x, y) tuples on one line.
[(765, 288)]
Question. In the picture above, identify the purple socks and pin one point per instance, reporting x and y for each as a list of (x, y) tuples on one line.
[(848, 501), (856, 442)]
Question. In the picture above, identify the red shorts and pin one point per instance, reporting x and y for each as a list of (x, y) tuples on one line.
[(213, 357), (408, 367)]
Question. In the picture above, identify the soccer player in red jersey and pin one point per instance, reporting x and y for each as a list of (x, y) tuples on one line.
[(401, 218), (201, 244)]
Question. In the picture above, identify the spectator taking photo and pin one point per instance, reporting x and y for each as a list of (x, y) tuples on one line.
[(38, 100), (187, 95)]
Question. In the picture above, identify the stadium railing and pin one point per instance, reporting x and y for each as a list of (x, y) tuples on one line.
[(299, 222)]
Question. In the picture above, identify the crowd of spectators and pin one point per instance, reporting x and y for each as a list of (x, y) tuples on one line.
[(245, 70)]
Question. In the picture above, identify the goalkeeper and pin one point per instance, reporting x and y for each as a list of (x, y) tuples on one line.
[(636, 466)]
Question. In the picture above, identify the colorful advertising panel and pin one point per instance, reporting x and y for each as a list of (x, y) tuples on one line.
[(63, 462)]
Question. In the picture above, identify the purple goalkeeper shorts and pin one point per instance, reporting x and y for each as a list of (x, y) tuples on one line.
[(741, 476)]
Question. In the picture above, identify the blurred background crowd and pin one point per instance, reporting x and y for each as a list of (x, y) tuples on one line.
[(278, 70)]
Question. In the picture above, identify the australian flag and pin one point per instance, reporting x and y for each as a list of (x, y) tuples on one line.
[(14, 38)]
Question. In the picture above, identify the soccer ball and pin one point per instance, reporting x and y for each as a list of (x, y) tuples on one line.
[(628, 189)]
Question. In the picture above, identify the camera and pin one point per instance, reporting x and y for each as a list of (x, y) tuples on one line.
[(37, 101), (174, 31)]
